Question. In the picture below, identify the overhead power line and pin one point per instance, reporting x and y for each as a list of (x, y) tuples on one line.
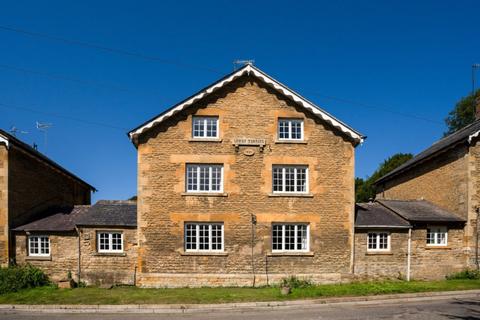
[(56, 115), (107, 49)]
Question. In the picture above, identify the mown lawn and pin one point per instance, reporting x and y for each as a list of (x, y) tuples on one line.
[(132, 295)]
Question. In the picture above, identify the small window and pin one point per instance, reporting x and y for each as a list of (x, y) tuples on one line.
[(205, 127), (290, 237), (290, 179), (378, 241), (290, 129), (110, 241), (204, 237), (437, 236), (204, 178), (38, 246)]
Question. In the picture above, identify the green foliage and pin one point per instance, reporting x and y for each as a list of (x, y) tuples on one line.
[(16, 278), (364, 189), (294, 283), (465, 274), (462, 114)]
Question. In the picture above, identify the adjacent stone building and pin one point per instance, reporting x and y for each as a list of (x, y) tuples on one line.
[(31, 186), (446, 174)]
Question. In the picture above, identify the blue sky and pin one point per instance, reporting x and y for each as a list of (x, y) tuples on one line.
[(381, 66)]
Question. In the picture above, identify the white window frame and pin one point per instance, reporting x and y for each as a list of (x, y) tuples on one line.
[(283, 225), (110, 242), (204, 126), (377, 240), (210, 178), (39, 243), (289, 132), (436, 231), (284, 184), (197, 236)]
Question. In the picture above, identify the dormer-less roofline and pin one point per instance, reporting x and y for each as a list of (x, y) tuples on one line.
[(250, 70)]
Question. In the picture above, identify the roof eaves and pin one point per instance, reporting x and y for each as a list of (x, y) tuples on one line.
[(249, 69), (382, 227)]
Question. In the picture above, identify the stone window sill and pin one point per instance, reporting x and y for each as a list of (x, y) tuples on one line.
[(438, 248), (293, 195), (379, 253), (204, 254), (110, 254), (204, 194), (33, 258), (291, 254), (291, 141), (205, 140)]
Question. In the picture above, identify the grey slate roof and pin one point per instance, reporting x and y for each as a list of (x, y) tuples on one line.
[(461, 136), (374, 215), (111, 213), (62, 219), (420, 211)]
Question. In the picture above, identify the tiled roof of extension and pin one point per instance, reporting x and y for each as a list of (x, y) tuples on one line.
[(111, 213), (62, 219), (374, 215), (420, 211), (105, 213), (464, 135)]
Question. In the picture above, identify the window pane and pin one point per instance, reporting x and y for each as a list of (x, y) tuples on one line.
[(301, 180), (216, 237), (203, 237), (296, 129), (290, 129), (277, 179), (211, 127), (289, 237), (283, 129), (192, 178), (383, 241), (117, 241), (190, 237), (198, 127), (302, 237), (216, 178), (372, 241), (289, 179), (277, 237)]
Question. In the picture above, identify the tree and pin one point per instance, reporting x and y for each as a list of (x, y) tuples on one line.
[(364, 188), (463, 114)]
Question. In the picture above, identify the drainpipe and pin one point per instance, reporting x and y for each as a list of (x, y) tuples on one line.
[(409, 252), (476, 244), (254, 222), (79, 256)]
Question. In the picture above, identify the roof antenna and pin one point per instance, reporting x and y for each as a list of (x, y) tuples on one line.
[(237, 63), (14, 131), (43, 126)]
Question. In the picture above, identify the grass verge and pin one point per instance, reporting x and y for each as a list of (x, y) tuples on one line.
[(133, 295)]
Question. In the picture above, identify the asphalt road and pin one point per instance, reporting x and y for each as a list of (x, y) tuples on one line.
[(467, 309)]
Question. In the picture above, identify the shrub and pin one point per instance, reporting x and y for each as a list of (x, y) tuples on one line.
[(294, 282), (15, 278), (465, 274)]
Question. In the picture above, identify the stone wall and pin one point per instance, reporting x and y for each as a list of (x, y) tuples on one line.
[(427, 262), (390, 265), (3, 205), (246, 109), (108, 268), (63, 255)]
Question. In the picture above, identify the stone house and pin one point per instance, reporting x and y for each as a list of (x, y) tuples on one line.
[(247, 182), (447, 174), (243, 183), (31, 185)]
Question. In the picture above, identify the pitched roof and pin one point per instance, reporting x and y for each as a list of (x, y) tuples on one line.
[(464, 135), (420, 211), (257, 73), (63, 219), (8, 140), (374, 215), (111, 213)]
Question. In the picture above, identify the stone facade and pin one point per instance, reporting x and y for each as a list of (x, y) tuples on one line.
[(63, 254), (29, 186), (427, 262), (108, 268), (245, 108)]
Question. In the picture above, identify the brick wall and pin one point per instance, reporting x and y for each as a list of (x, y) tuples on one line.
[(102, 268), (245, 109), (63, 255)]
